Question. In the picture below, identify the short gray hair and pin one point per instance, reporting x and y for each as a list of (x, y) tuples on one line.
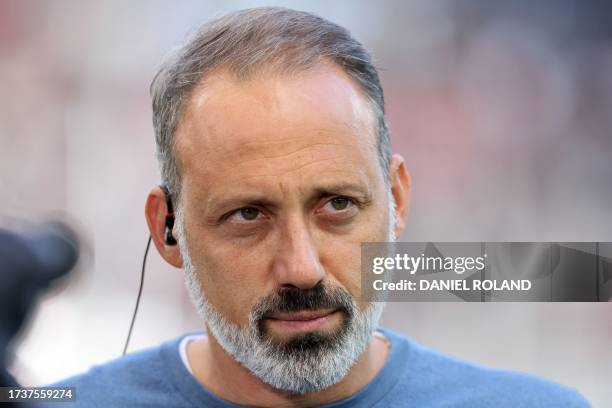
[(250, 41)]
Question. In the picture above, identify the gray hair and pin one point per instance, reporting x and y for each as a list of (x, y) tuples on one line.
[(251, 41)]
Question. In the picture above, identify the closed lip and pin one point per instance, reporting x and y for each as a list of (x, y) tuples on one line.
[(303, 315)]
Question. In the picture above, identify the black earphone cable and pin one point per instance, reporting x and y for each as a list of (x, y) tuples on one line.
[(142, 274)]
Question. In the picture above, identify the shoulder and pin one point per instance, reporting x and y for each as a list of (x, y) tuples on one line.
[(439, 379), (138, 378)]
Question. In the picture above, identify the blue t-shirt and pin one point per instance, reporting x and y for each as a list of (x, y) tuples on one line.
[(413, 376)]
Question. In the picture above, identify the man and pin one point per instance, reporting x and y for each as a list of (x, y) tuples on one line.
[(274, 151)]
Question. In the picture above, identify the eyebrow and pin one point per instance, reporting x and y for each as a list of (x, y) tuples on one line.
[(358, 190)]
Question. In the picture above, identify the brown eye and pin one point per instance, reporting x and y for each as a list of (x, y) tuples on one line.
[(249, 213), (246, 214), (340, 203)]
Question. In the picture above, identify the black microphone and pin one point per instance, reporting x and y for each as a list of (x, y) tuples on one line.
[(29, 263)]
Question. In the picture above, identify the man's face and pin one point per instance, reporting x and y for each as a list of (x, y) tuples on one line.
[(281, 185)]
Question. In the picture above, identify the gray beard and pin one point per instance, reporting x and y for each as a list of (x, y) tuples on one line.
[(296, 370)]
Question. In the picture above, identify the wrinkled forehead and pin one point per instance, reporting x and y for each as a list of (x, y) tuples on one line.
[(276, 124)]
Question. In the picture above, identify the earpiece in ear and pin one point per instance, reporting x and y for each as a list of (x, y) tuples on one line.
[(169, 216)]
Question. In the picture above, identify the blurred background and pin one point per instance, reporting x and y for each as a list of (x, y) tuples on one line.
[(502, 109)]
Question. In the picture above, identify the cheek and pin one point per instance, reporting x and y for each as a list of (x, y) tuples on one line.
[(341, 256), (232, 280), (342, 263)]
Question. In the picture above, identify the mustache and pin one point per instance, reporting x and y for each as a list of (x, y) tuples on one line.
[(294, 299)]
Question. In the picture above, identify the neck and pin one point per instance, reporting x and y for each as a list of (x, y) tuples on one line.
[(216, 370)]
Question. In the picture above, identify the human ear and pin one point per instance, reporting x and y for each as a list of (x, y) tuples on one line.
[(156, 212), (399, 179)]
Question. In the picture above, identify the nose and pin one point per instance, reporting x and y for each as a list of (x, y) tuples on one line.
[(297, 262)]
